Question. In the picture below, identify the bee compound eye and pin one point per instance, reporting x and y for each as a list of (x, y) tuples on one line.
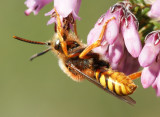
[(57, 44)]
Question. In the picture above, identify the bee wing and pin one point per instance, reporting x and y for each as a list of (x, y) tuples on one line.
[(126, 99)]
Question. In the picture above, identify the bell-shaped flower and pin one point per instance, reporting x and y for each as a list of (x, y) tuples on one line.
[(128, 64), (155, 8), (131, 36), (116, 50), (149, 74), (35, 6), (65, 8), (150, 50), (156, 85)]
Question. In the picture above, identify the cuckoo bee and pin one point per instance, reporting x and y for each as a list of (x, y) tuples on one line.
[(79, 62)]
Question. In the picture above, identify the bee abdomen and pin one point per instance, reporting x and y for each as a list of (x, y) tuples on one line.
[(115, 86), (120, 88)]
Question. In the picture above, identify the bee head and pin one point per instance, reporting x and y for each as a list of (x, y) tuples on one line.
[(71, 43)]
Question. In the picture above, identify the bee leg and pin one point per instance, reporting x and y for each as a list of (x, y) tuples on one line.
[(98, 42), (60, 33), (75, 28), (135, 75)]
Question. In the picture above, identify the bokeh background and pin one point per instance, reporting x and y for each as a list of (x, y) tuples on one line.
[(39, 88)]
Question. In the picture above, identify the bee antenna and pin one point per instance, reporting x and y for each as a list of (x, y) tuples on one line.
[(29, 41), (39, 54)]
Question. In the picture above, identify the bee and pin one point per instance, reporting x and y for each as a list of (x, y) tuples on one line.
[(79, 62)]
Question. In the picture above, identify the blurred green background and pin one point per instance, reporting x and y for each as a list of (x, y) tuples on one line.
[(40, 88)]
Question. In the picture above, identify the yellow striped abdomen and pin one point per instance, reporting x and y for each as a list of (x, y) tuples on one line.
[(116, 82)]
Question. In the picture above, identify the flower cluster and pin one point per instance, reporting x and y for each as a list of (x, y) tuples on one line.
[(121, 43), (149, 57), (150, 60)]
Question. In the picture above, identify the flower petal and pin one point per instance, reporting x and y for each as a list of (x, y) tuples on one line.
[(147, 55), (154, 12), (149, 74), (121, 64), (131, 37), (66, 7), (114, 66), (112, 31), (93, 36), (149, 51), (156, 85), (116, 50), (52, 20), (28, 12), (35, 6), (49, 13), (131, 65)]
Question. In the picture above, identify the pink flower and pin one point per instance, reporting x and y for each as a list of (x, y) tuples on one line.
[(131, 36), (151, 49), (116, 50), (149, 74), (156, 85), (128, 64), (35, 6), (109, 37), (120, 32), (154, 12), (65, 8), (150, 59)]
